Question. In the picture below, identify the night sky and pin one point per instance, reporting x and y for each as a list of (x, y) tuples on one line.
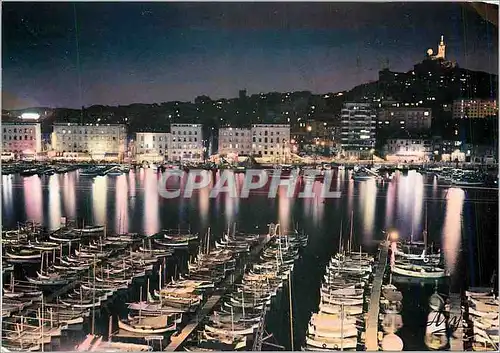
[(122, 53)]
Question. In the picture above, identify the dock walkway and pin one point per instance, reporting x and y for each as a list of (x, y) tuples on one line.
[(374, 307), (455, 321), (177, 340)]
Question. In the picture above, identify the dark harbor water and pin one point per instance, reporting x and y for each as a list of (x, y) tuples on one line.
[(463, 222)]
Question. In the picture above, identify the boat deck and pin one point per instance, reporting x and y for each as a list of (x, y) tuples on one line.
[(374, 307), (177, 340), (456, 339)]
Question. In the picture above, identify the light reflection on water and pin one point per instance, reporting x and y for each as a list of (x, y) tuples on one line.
[(7, 202), (452, 228), (121, 204), (418, 201), (99, 199), (33, 199), (367, 204), (135, 205), (389, 205), (151, 221), (132, 203), (69, 195), (54, 202)]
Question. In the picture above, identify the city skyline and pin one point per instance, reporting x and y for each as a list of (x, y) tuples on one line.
[(147, 53)]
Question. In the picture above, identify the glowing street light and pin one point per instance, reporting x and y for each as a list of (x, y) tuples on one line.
[(393, 236)]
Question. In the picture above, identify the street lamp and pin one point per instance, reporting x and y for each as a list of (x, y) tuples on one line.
[(392, 236)]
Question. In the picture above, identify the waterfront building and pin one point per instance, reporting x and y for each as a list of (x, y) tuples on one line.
[(480, 153), (23, 139), (408, 150), (271, 141), (235, 141), (407, 118), (474, 108), (187, 143), (358, 123), (100, 141), (152, 146), (317, 136)]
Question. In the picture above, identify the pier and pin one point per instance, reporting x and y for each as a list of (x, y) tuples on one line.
[(455, 323), (374, 306), (177, 340)]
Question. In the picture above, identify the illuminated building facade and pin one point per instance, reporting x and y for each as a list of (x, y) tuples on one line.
[(187, 143), (237, 141), (152, 145), (474, 108), (408, 150), (358, 124), (271, 141), (21, 138), (98, 140), (408, 118)]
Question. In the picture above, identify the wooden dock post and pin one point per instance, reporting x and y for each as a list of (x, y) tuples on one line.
[(374, 306)]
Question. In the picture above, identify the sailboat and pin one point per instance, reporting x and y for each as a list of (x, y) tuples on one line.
[(413, 248)]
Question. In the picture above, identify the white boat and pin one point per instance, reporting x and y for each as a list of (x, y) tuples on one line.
[(236, 341), (91, 229), (47, 281), (334, 331), (489, 305), (115, 172), (81, 305), (335, 309), (47, 246), (228, 331), (97, 255), (419, 272), (423, 256), (23, 257), (483, 314), (332, 343), (148, 325), (339, 301), (323, 319), (63, 240)]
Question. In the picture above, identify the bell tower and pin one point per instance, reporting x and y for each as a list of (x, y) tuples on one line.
[(441, 49)]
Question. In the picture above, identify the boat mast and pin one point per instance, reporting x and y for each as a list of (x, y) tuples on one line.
[(243, 302), (208, 241), (350, 232), (41, 264), (232, 322), (140, 303), (425, 229), (342, 327), (93, 303), (41, 328), (147, 291), (340, 240), (159, 278)]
